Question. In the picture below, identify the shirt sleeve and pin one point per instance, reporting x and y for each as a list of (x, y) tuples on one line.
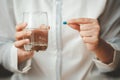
[(8, 52), (115, 43), (108, 67), (10, 59), (110, 32)]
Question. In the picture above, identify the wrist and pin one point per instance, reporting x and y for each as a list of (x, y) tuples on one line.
[(104, 52), (98, 45)]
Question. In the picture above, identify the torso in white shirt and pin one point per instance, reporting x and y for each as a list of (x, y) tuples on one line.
[(76, 59)]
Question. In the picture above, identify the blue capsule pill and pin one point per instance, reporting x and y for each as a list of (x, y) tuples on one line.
[(64, 22)]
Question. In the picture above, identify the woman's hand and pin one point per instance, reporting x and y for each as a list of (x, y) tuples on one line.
[(90, 32), (20, 42)]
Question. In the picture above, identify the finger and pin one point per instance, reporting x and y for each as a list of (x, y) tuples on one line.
[(91, 40), (21, 26), (21, 43), (87, 33), (28, 55), (82, 21), (75, 26), (24, 55), (20, 35), (86, 27)]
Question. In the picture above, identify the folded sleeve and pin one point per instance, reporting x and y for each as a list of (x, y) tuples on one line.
[(108, 67), (115, 43), (10, 60)]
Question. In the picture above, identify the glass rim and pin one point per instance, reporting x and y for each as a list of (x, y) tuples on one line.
[(35, 12)]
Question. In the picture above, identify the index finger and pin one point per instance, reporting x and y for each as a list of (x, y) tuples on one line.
[(21, 26), (82, 21)]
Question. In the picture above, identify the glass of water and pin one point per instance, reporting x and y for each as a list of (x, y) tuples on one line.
[(37, 23)]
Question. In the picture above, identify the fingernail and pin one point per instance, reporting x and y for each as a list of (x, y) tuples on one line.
[(27, 40), (64, 22)]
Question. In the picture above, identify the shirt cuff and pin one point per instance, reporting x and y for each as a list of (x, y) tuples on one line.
[(107, 67), (23, 68)]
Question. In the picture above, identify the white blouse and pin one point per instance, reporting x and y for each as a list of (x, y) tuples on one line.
[(67, 57)]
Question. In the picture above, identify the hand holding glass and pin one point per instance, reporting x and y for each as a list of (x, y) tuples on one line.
[(37, 23)]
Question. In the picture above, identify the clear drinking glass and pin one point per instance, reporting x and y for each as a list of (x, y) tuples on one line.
[(37, 23)]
